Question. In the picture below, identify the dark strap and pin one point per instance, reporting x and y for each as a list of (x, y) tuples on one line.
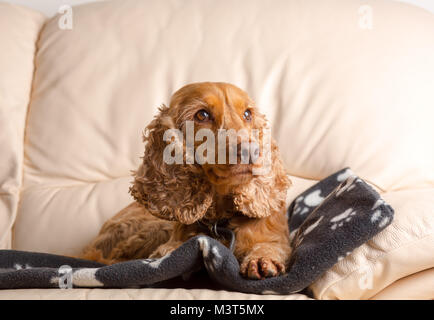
[(217, 231)]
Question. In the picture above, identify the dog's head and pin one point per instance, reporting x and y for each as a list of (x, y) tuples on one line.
[(211, 139)]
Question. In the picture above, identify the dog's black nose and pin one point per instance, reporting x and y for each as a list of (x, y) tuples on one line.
[(245, 154), (248, 152), (254, 152)]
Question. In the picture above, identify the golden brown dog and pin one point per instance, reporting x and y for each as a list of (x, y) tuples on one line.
[(172, 198)]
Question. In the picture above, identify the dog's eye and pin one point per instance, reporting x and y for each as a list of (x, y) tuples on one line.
[(202, 115), (247, 115)]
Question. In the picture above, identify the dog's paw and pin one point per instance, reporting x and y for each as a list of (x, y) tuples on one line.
[(260, 268)]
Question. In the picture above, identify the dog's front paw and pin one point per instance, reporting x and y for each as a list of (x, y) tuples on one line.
[(260, 268)]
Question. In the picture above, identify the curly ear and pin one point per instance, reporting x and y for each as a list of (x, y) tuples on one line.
[(169, 191), (266, 193)]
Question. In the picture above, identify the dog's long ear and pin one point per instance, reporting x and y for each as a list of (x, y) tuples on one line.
[(169, 191), (266, 193)]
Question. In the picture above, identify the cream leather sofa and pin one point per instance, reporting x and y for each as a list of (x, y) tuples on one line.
[(344, 83)]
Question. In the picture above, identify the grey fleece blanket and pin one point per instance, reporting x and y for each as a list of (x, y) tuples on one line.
[(327, 222)]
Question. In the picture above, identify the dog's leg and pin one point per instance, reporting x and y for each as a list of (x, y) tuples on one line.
[(165, 249), (132, 234), (180, 234), (262, 246)]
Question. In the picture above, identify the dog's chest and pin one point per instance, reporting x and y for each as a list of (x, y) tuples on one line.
[(222, 208), (225, 204)]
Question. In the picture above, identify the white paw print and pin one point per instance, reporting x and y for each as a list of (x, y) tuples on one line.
[(17, 266), (343, 257), (348, 185), (378, 203), (344, 175), (297, 207), (339, 220), (204, 246), (155, 263), (313, 199), (215, 260), (377, 216)]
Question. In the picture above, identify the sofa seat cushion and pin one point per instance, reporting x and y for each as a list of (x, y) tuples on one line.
[(136, 294), (417, 286)]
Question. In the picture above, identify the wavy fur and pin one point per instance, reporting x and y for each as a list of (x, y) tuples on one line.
[(171, 198)]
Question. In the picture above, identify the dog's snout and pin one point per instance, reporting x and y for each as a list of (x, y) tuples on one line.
[(254, 152), (247, 152)]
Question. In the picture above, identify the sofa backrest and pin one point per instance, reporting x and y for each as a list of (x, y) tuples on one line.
[(19, 29)]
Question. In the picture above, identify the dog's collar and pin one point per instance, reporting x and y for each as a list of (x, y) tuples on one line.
[(218, 230), (212, 226)]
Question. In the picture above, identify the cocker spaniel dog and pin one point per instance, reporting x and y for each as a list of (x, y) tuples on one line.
[(175, 200)]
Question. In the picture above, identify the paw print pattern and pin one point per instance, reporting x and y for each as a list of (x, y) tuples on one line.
[(340, 219), (298, 205), (378, 203), (86, 277), (313, 199), (214, 260), (82, 277), (344, 256), (204, 246), (211, 254), (348, 185), (376, 216), (216, 257), (18, 266), (303, 205), (344, 175), (155, 263)]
